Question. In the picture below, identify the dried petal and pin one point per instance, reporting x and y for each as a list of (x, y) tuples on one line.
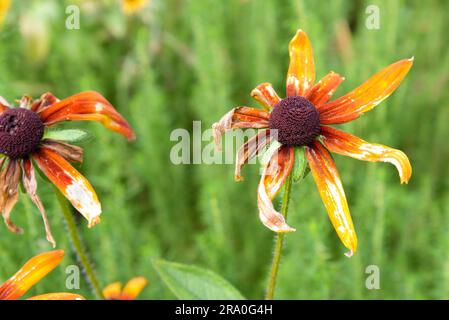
[(273, 177), (348, 145), (324, 89), (266, 95)]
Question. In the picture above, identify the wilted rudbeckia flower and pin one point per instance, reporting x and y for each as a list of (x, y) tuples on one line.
[(301, 121), (131, 290), (32, 272), (23, 138)]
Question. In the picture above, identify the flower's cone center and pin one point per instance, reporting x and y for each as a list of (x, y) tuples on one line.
[(296, 120), (21, 131)]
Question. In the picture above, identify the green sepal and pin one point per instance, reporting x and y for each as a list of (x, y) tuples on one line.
[(67, 135), (300, 167)]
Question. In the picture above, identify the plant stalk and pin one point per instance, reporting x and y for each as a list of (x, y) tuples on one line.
[(279, 242), (78, 247)]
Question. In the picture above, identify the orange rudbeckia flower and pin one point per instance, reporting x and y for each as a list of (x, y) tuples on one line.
[(131, 290), (23, 139), (301, 120), (32, 272)]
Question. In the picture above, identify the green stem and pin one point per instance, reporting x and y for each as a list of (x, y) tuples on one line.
[(78, 247), (279, 242)]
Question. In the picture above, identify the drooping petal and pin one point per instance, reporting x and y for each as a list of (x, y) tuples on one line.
[(301, 72), (64, 149), (365, 97), (58, 296), (273, 177), (249, 150), (113, 291), (348, 145), (133, 288), (9, 192), (90, 106), (30, 185), (44, 101), (34, 270), (71, 183), (331, 190), (265, 95), (240, 117), (324, 89)]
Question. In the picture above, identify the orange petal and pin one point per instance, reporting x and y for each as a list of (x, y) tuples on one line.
[(44, 101), (89, 106), (265, 95), (33, 271), (71, 183), (324, 89), (4, 105), (30, 185), (58, 296), (113, 291), (249, 150), (273, 177), (365, 97), (133, 288), (240, 117), (301, 72), (348, 145), (331, 190)]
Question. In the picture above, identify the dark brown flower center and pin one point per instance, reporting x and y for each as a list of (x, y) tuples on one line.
[(21, 131), (296, 120)]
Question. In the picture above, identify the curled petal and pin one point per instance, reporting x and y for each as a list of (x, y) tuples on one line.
[(64, 149), (71, 183), (30, 185), (4, 105), (58, 296), (273, 177), (324, 89), (9, 192), (44, 101), (89, 106), (241, 117), (301, 72), (133, 288), (265, 95), (249, 150), (348, 145), (365, 97), (33, 271), (331, 190)]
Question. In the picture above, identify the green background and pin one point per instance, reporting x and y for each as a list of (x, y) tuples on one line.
[(178, 61)]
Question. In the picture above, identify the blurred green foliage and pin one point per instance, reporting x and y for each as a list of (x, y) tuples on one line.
[(177, 61)]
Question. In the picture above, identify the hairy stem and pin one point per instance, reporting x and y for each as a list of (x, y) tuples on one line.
[(279, 242), (78, 247)]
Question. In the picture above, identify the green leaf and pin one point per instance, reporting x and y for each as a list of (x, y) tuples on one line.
[(194, 283), (68, 135), (300, 168)]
